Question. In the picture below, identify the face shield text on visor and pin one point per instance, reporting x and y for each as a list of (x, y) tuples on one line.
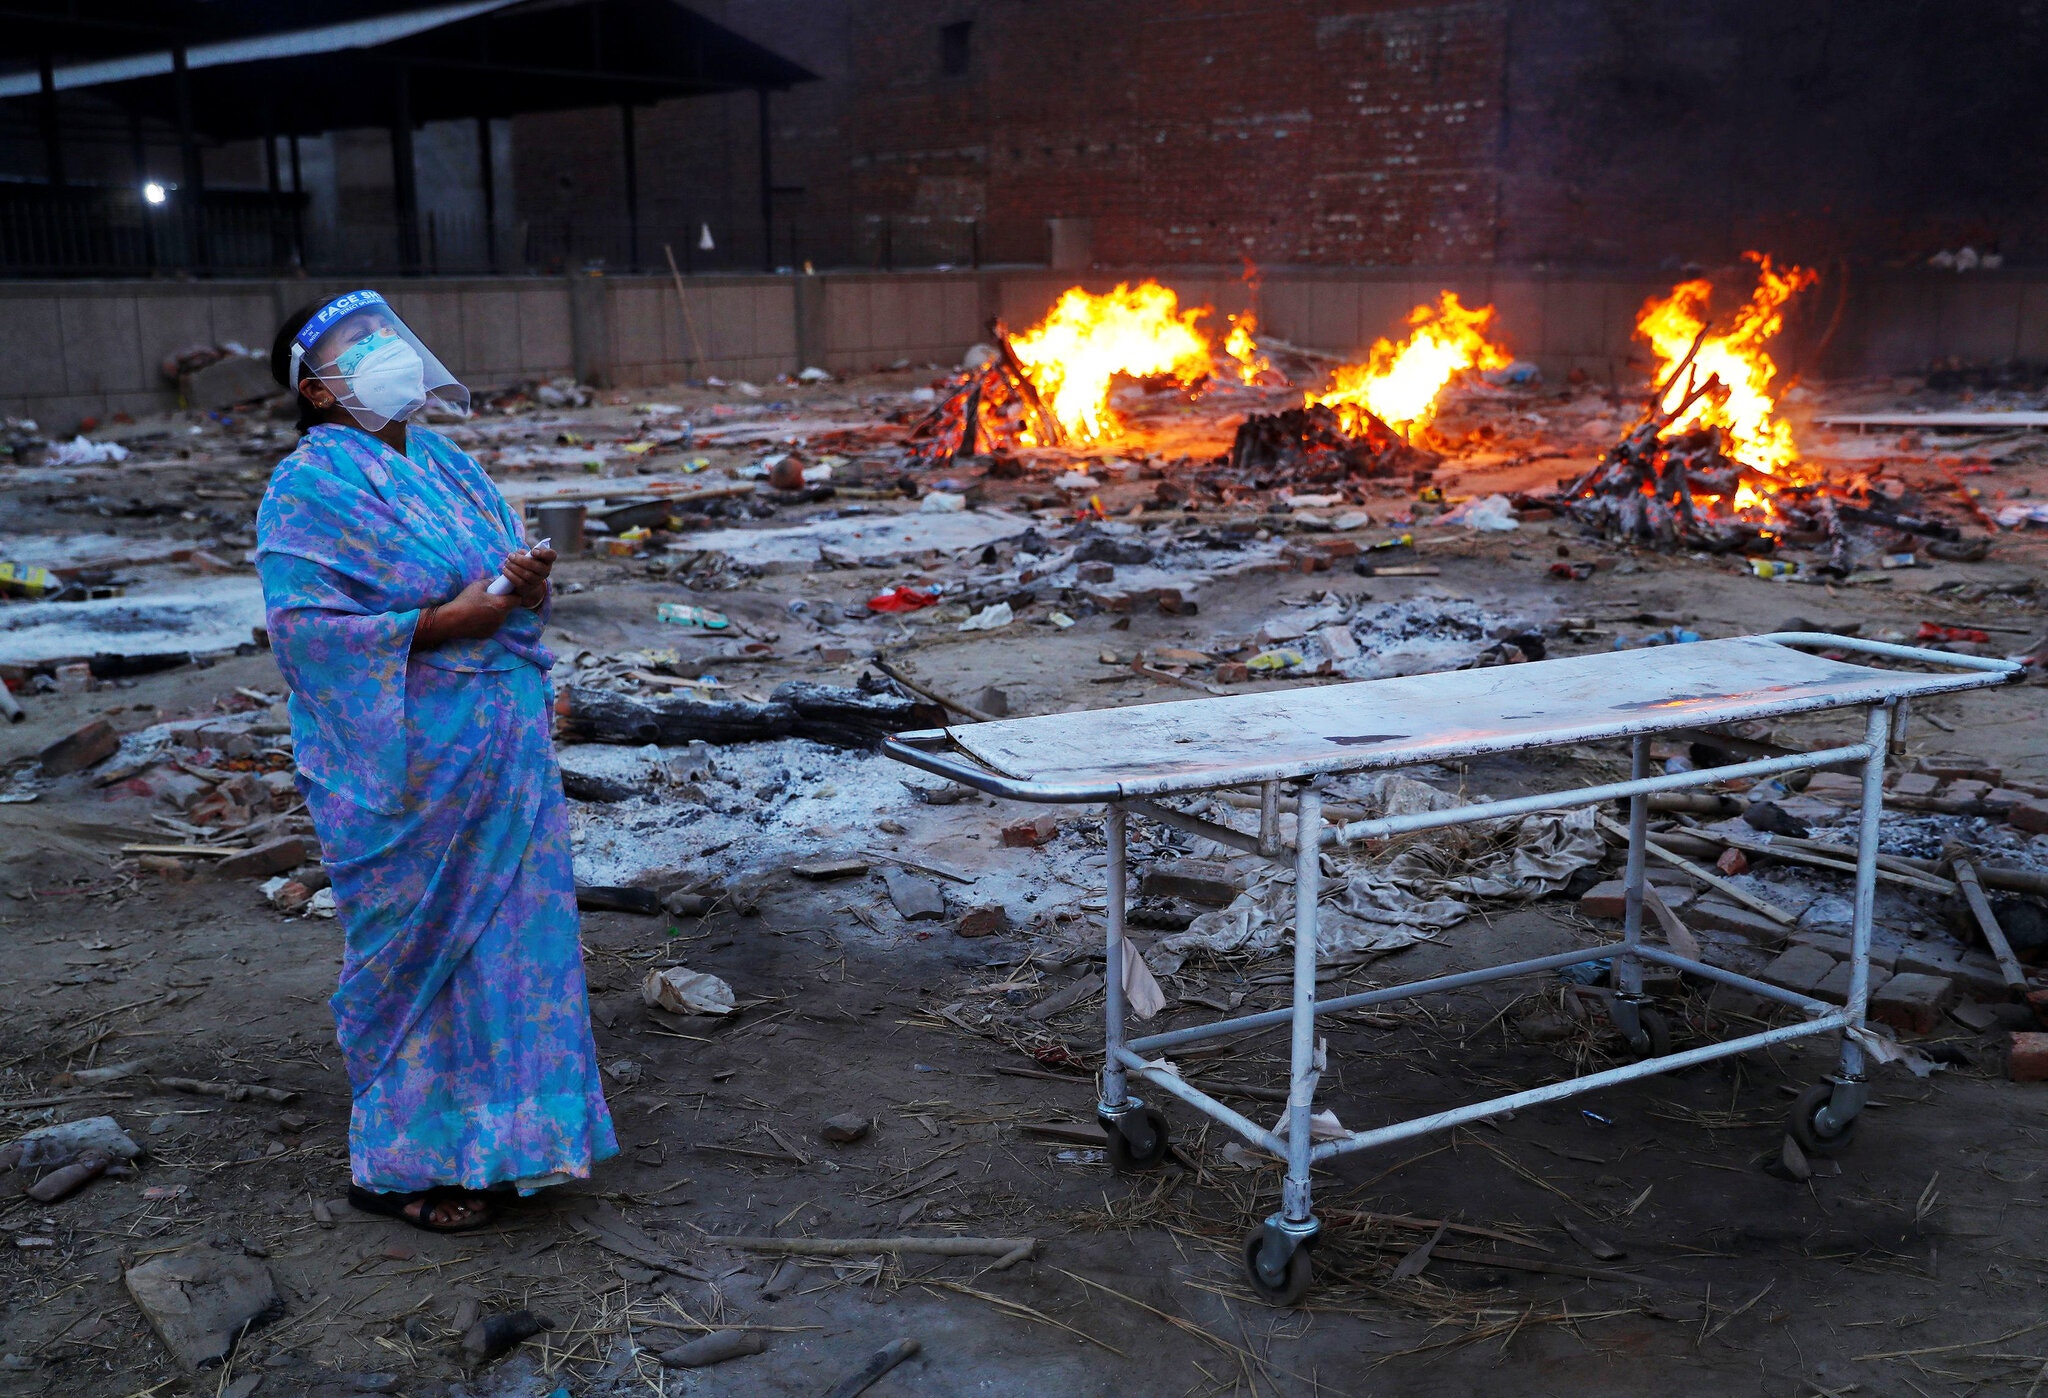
[(372, 363)]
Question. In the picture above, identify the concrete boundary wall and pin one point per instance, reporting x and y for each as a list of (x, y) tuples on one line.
[(82, 348)]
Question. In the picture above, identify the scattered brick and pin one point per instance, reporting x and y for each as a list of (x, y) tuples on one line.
[(1722, 915), (1197, 880), (2027, 1060), (1800, 969), (1836, 787), (1914, 784), (1912, 1003), (264, 860), (79, 749), (1732, 862), (1834, 986), (989, 920), (2030, 815), (1030, 834)]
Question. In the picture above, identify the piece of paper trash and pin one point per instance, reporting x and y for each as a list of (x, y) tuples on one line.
[(1491, 512), (1887, 1050), (681, 991), (941, 502), (1142, 995), (1323, 1126), (990, 618), (322, 904)]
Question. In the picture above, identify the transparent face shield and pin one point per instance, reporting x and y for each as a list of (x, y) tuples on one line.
[(373, 364)]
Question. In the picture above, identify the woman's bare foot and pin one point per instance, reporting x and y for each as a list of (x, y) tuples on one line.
[(456, 1209)]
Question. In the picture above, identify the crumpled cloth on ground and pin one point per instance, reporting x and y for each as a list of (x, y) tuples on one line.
[(1372, 907)]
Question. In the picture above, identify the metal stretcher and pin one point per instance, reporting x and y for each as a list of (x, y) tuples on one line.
[(1131, 758)]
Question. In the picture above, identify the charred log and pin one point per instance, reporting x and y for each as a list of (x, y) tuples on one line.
[(832, 714), (1311, 444)]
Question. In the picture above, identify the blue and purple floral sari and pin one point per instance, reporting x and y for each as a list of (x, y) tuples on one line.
[(431, 779)]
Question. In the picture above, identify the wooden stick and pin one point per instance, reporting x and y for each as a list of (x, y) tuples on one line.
[(1713, 881), (934, 870), (1782, 847), (1006, 1251), (661, 490), (882, 664), (1987, 922), (1335, 811), (684, 302), (215, 851), (879, 1363), (1055, 435), (1144, 671)]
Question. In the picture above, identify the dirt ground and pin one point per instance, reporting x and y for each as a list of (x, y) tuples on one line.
[(1605, 1244)]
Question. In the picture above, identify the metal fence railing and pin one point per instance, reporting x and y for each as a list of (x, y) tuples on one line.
[(116, 232)]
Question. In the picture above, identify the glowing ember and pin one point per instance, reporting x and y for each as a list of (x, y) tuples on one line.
[(1086, 341), (1244, 350), (1743, 407), (1399, 384)]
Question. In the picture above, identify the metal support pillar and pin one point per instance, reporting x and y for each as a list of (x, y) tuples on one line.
[(140, 151), (53, 130), (275, 184), (404, 176), (767, 181), (298, 207), (627, 146), (191, 198), (487, 167)]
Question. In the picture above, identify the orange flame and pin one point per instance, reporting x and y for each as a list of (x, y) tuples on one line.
[(1399, 384), (1244, 350), (1744, 410), (1086, 340)]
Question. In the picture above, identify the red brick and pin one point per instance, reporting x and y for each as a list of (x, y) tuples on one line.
[(2030, 815), (83, 747), (2027, 1060), (990, 920), (1030, 834), (1912, 1003), (264, 860)]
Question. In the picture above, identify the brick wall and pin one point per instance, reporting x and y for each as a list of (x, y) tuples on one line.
[(1362, 133)]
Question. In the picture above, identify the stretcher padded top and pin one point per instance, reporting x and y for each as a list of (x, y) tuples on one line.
[(1200, 744)]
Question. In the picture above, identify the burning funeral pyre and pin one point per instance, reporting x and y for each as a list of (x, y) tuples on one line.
[(1709, 460), (1050, 386), (1367, 422)]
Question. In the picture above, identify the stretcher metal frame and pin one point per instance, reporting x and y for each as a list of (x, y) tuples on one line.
[(1276, 1255)]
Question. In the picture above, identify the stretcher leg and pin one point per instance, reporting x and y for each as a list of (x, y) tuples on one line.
[(1277, 1260), (1824, 1118), (1137, 1137)]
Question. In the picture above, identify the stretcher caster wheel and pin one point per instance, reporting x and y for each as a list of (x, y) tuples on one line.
[(1138, 1140), (1804, 1125), (1279, 1268), (1653, 1034)]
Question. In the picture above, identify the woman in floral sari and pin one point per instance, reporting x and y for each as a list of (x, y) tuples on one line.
[(420, 717)]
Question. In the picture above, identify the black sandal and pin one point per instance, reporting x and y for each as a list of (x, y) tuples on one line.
[(369, 1201)]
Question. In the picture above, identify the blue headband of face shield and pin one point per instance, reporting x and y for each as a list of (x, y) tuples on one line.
[(326, 318)]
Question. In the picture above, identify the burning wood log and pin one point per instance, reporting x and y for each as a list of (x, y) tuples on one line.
[(1050, 433), (1310, 444)]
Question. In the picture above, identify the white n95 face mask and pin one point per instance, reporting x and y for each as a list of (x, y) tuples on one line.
[(390, 381), (378, 370)]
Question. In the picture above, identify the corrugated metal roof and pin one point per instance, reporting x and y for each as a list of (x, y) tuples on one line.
[(297, 43)]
